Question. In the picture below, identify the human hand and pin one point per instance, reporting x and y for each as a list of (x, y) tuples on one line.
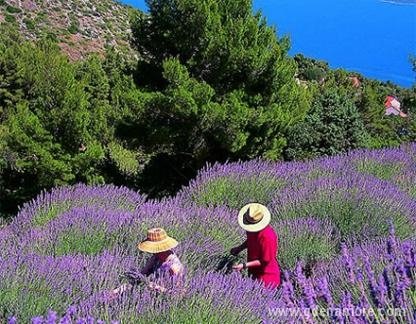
[(111, 296), (238, 267), (156, 287)]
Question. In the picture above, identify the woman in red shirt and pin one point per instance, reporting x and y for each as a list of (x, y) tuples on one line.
[(261, 245)]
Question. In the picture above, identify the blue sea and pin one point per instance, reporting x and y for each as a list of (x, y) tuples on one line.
[(373, 37)]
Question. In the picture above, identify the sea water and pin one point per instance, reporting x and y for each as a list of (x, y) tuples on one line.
[(373, 37)]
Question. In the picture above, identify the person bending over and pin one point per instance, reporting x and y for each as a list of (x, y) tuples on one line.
[(261, 245), (163, 263)]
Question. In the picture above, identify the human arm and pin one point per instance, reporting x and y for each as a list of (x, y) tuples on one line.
[(236, 250), (113, 294), (247, 265), (154, 286), (268, 245), (148, 267), (121, 289), (171, 280), (134, 276)]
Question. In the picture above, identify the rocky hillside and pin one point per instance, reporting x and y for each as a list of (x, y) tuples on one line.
[(79, 26)]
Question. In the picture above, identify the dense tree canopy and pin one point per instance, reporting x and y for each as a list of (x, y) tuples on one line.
[(222, 84), (58, 118), (333, 126)]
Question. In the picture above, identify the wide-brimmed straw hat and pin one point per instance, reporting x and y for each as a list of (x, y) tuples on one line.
[(254, 217), (157, 241)]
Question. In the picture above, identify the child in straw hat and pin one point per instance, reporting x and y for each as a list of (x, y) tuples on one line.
[(261, 245), (163, 262)]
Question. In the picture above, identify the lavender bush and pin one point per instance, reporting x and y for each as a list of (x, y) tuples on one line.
[(368, 295), (235, 191), (64, 251), (306, 239)]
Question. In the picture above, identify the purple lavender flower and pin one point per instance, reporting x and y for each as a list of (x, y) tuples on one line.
[(324, 291), (51, 317), (306, 286), (349, 263), (12, 320), (38, 320), (73, 244)]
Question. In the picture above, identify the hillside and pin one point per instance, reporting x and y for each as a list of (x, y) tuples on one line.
[(79, 26), (67, 249)]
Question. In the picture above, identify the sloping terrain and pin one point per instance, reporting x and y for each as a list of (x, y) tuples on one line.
[(79, 26), (68, 248)]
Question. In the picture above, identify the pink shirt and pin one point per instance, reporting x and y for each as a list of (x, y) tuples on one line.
[(171, 265), (263, 246)]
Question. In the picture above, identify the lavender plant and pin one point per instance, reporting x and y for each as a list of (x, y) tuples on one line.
[(386, 295), (65, 250)]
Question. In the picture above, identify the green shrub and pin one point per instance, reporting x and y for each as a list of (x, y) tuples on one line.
[(355, 219), (126, 161), (297, 242), (332, 126), (13, 10), (26, 300), (380, 170), (29, 23), (9, 18), (73, 27), (41, 16), (235, 193), (90, 243), (314, 73)]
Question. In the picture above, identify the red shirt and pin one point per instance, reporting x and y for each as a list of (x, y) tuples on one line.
[(263, 246)]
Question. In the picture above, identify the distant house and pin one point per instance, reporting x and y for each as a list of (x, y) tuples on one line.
[(356, 83), (393, 107)]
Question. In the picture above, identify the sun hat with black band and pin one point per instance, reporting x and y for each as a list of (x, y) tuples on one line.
[(157, 241), (254, 217)]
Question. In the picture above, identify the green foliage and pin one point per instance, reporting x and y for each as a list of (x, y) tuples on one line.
[(333, 126), (57, 118), (10, 18), (29, 23), (380, 170), (304, 247), (235, 193), (37, 148), (37, 298), (89, 243), (13, 10), (126, 161), (354, 219), (220, 42), (221, 84), (310, 69), (74, 25)]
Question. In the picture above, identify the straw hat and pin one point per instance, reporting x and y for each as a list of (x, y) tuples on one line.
[(157, 241), (254, 217)]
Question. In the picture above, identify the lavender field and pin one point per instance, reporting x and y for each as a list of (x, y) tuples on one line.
[(347, 245)]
